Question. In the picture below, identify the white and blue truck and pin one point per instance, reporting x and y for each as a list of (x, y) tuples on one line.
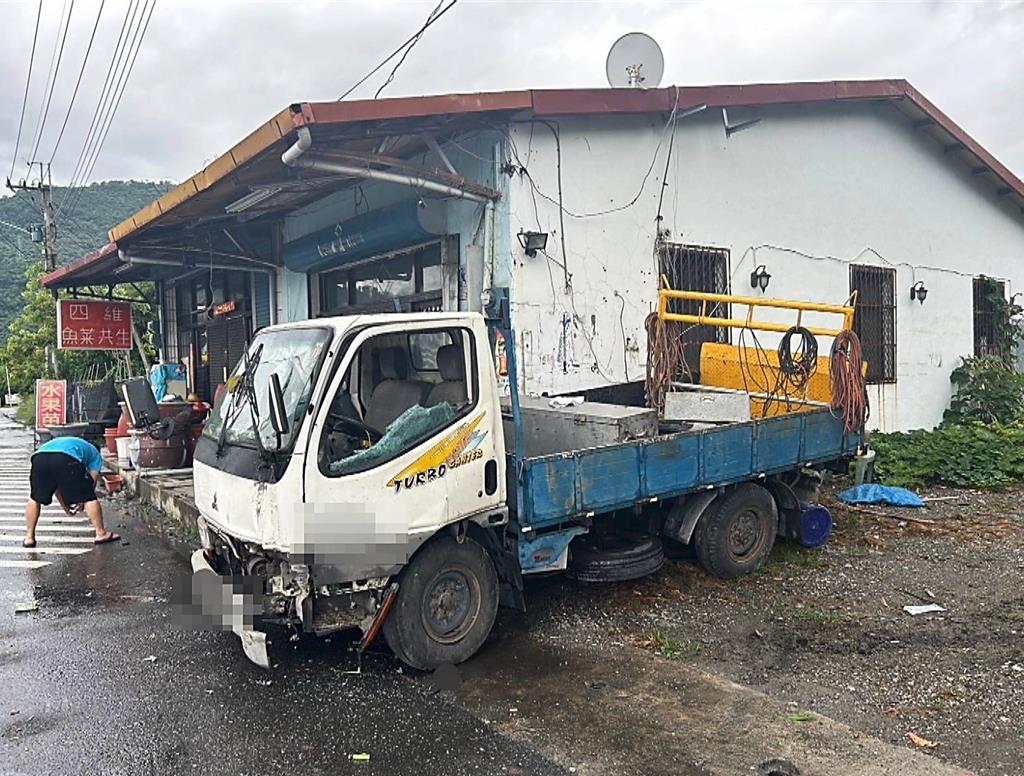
[(368, 472)]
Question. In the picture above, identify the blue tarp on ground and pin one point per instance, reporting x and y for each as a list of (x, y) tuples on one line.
[(880, 494)]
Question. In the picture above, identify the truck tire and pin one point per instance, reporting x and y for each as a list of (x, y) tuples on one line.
[(446, 605), (616, 557), (736, 533)]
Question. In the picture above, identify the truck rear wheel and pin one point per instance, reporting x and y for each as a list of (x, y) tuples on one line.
[(737, 532), (446, 605)]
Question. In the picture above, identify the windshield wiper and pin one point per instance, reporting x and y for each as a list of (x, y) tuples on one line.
[(249, 387), (245, 387)]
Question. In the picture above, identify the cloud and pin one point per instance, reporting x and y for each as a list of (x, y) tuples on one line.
[(210, 72)]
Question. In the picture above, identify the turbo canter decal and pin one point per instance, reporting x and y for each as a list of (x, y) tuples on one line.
[(457, 448)]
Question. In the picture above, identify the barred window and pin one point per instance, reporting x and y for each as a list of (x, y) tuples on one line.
[(696, 268), (986, 293), (875, 319)]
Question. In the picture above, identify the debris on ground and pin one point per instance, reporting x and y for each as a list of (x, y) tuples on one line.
[(919, 742), (28, 606), (361, 757), (872, 493), (149, 659), (917, 609)]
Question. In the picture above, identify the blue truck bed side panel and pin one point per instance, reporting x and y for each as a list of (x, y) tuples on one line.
[(557, 488)]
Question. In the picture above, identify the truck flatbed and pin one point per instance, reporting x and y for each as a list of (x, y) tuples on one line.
[(554, 489)]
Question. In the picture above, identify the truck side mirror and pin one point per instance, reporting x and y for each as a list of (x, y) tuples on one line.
[(278, 412)]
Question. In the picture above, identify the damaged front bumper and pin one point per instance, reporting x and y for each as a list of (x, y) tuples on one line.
[(229, 607)]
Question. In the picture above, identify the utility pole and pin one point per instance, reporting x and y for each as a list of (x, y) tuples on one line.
[(45, 189)]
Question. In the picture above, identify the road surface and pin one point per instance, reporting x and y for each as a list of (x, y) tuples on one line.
[(99, 679)]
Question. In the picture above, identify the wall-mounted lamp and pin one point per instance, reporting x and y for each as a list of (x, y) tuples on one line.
[(759, 278), (918, 292), (533, 241)]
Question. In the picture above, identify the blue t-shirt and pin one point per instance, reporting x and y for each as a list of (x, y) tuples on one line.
[(77, 448)]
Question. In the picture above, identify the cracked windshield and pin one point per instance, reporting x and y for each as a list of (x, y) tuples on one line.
[(294, 356)]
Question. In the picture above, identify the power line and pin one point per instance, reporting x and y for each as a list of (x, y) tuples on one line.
[(78, 83), (415, 40), (122, 86), (430, 20), (28, 80), (108, 80), (118, 60), (49, 94)]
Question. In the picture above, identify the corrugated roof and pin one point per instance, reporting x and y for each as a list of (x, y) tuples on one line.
[(263, 146)]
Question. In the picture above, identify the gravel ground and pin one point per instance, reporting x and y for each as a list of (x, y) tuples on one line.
[(826, 629)]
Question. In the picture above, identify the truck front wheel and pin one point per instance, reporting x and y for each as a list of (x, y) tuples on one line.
[(446, 605), (737, 532)]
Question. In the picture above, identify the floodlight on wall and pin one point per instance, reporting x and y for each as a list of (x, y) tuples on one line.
[(759, 278), (918, 292), (253, 198), (533, 242)]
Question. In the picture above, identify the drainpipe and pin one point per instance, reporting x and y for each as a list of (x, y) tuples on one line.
[(489, 238), (339, 168), (299, 147)]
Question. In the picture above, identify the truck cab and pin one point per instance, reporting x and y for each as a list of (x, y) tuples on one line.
[(340, 448)]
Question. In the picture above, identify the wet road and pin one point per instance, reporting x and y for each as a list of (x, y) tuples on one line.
[(99, 679)]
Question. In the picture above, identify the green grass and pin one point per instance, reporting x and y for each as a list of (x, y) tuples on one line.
[(788, 555), (674, 649), (801, 716), (26, 411)]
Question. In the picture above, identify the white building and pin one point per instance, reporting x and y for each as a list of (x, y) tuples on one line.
[(831, 187)]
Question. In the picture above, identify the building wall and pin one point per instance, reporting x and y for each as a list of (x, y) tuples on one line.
[(805, 192)]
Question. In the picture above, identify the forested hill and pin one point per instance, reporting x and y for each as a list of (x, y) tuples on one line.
[(79, 230)]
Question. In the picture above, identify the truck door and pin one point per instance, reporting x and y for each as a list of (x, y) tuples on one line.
[(407, 439)]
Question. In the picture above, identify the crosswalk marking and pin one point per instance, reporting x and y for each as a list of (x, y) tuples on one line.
[(47, 550), (53, 533), (59, 527), (23, 564), (19, 517), (42, 539)]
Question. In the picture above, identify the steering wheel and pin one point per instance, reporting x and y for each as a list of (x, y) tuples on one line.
[(344, 420)]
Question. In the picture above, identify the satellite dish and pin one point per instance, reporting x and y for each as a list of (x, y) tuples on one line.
[(635, 62)]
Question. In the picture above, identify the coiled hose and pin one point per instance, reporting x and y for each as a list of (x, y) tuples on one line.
[(849, 390), (664, 359)]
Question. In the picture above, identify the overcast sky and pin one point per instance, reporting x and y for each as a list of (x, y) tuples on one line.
[(209, 72)]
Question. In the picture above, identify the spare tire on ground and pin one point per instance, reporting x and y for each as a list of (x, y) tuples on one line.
[(616, 557)]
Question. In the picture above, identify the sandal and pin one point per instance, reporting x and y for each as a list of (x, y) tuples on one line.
[(113, 537), (28, 545)]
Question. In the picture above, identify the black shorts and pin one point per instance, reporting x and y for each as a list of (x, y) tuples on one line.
[(59, 471)]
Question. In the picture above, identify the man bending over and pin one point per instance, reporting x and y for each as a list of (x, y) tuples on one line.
[(68, 468)]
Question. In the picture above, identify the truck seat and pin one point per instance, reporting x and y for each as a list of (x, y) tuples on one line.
[(451, 363), (394, 394)]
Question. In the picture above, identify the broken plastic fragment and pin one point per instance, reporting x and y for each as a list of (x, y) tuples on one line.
[(30, 606), (918, 741), (923, 609), (361, 757)]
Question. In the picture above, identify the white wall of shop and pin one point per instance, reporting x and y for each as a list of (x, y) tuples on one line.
[(806, 192)]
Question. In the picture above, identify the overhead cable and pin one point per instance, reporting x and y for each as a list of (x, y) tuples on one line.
[(121, 87), (99, 115), (78, 82), (28, 81), (434, 16), (412, 44), (48, 95)]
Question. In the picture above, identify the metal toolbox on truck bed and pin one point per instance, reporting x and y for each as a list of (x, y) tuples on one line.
[(548, 430)]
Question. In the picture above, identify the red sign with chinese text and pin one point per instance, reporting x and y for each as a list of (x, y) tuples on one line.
[(51, 402), (92, 325)]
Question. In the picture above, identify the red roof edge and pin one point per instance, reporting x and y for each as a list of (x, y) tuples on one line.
[(77, 265), (968, 142)]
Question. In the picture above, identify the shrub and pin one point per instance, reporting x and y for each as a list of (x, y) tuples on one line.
[(985, 390), (972, 455), (26, 411)]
